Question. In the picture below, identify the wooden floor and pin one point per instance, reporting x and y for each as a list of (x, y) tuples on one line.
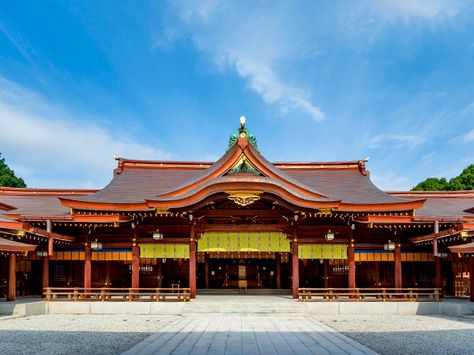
[(247, 335)]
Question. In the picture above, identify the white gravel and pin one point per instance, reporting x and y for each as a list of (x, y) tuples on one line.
[(407, 334), (73, 334)]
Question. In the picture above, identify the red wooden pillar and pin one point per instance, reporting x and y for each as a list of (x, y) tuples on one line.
[(438, 269), (278, 270), (471, 277), (295, 275), (11, 278), (45, 274), (192, 262), (206, 270), (351, 262), (87, 265), (107, 282), (135, 266), (159, 272), (398, 264), (326, 273)]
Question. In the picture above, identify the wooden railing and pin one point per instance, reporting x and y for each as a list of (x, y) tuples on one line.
[(175, 294), (369, 294)]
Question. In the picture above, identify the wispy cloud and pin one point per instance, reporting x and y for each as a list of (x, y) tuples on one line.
[(254, 44), (395, 141), (52, 142), (427, 9), (469, 136)]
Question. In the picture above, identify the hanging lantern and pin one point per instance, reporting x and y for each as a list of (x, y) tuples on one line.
[(157, 235), (390, 246), (329, 235), (96, 245)]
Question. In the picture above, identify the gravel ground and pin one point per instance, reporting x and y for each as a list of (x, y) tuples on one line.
[(72, 334), (407, 334)]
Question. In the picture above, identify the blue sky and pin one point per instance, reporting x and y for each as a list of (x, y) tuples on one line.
[(83, 81)]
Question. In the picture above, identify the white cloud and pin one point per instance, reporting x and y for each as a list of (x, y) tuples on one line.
[(427, 9), (42, 141), (395, 141), (391, 182), (251, 42), (469, 136)]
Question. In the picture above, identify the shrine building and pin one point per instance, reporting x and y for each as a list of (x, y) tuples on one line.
[(239, 222)]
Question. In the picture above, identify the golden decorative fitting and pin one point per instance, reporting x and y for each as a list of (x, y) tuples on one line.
[(161, 211), (244, 197), (325, 211), (21, 233), (463, 234)]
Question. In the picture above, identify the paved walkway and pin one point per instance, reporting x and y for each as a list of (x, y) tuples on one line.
[(247, 335)]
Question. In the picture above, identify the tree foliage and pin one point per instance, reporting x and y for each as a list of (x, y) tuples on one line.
[(465, 181), (8, 177)]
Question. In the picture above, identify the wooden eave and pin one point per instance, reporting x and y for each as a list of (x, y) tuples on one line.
[(99, 218), (17, 226), (44, 233), (202, 192), (465, 227), (13, 191), (13, 225), (383, 219), (11, 246), (397, 206), (467, 248), (104, 206)]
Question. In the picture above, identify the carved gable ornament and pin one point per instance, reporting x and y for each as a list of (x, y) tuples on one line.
[(244, 198)]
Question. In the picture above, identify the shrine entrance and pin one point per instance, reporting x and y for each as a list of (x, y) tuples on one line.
[(243, 260)]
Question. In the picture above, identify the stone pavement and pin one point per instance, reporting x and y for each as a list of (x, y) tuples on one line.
[(247, 335)]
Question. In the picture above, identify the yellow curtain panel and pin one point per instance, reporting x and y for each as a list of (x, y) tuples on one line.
[(164, 251), (322, 251), (100, 255), (243, 242)]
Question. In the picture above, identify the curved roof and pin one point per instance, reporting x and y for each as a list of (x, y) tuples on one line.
[(136, 183)]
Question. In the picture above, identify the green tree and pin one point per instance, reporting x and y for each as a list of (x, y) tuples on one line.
[(8, 177), (465, 181), (432, 184)]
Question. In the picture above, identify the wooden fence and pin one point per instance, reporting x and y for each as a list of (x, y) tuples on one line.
[(175, 294), (369, 294)]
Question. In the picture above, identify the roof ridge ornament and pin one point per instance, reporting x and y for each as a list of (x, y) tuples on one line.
[(242, 132)]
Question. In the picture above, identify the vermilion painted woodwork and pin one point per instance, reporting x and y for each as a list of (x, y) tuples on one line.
[(11, 294), (45, 274), (192, 262), (135, 266), (278, 270), (206, 270), (87, 265), (471, 280), (351, 264), (398, 264), (295, 275)]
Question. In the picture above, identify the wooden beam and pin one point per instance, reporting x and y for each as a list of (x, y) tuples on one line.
[(243, 228)]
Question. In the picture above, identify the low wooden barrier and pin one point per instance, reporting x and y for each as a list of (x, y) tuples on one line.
[(369, 294), (175, 294)]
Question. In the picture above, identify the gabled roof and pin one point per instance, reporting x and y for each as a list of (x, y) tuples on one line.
[(141, 185), (442, 203)]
